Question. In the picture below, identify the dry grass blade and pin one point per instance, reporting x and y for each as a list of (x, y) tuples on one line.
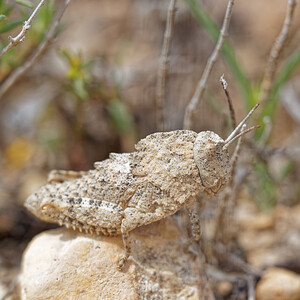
[(194, 102), (276, 52), (163, 67), (231, 109)]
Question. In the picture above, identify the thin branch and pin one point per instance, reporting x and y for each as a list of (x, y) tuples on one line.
[(276, 52), (231, 109), (224, 210), (194, 102), (219, 275), (163, 67), (14, 41), (251, 287), (236, 153), (235, 261), (21, 70)]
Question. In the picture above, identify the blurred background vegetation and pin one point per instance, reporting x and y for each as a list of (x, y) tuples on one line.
[(93, 92)]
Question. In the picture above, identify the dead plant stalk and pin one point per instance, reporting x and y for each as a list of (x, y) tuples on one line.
[(276, 52), (194, 102), (21, 70), (163, 67), (14, 41)]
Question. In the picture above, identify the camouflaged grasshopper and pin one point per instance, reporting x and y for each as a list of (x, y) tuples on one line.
[(166, 172)]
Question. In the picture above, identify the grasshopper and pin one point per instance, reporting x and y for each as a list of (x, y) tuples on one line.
[(125, 191)]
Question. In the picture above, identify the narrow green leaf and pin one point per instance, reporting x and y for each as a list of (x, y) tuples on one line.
[(11, 25), (266, 194), (7, 10), (283, 76), (80, 88), (25, 3), (120, 115)]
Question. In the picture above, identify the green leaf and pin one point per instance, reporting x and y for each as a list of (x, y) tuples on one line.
[(120, 115), (46, 13), (266, 195), (7, 10), (287, 170), (10, 25), (80, 88), (87, 64), (25, 3), (2, 17)]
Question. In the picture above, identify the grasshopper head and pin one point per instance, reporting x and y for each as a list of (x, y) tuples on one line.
[(212, 160), (212, 157), (35, 203)]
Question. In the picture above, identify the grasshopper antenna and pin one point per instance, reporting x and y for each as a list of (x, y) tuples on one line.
[(227, 143), (233, 133)]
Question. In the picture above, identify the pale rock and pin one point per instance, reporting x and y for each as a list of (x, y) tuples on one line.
[(274, 240), (278, 284), (257, 221), (3, 290), (63, 264), (252, 240), (264, 257), (250, 219), (224, 288)]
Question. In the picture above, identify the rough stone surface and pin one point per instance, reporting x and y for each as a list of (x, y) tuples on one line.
[(278, 284), (64, 264)]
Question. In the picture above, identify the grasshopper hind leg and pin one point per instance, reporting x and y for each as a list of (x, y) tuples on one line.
[(63, 175)]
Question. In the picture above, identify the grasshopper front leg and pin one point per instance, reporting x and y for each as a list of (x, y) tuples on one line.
[(192, 208), (126, 244), (134, 218)]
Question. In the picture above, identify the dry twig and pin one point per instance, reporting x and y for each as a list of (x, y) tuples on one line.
[(275, 52), (227, 201), (231, 109), (21, 70), (228, 197), (235, 261), (14, 41), (192, 106), (236, 152), (163, 67)]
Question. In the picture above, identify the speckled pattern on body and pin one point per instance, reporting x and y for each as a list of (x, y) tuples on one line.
[(128, 190)]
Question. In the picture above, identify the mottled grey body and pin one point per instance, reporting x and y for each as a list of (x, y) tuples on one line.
[(128, 190), (167, 171)]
